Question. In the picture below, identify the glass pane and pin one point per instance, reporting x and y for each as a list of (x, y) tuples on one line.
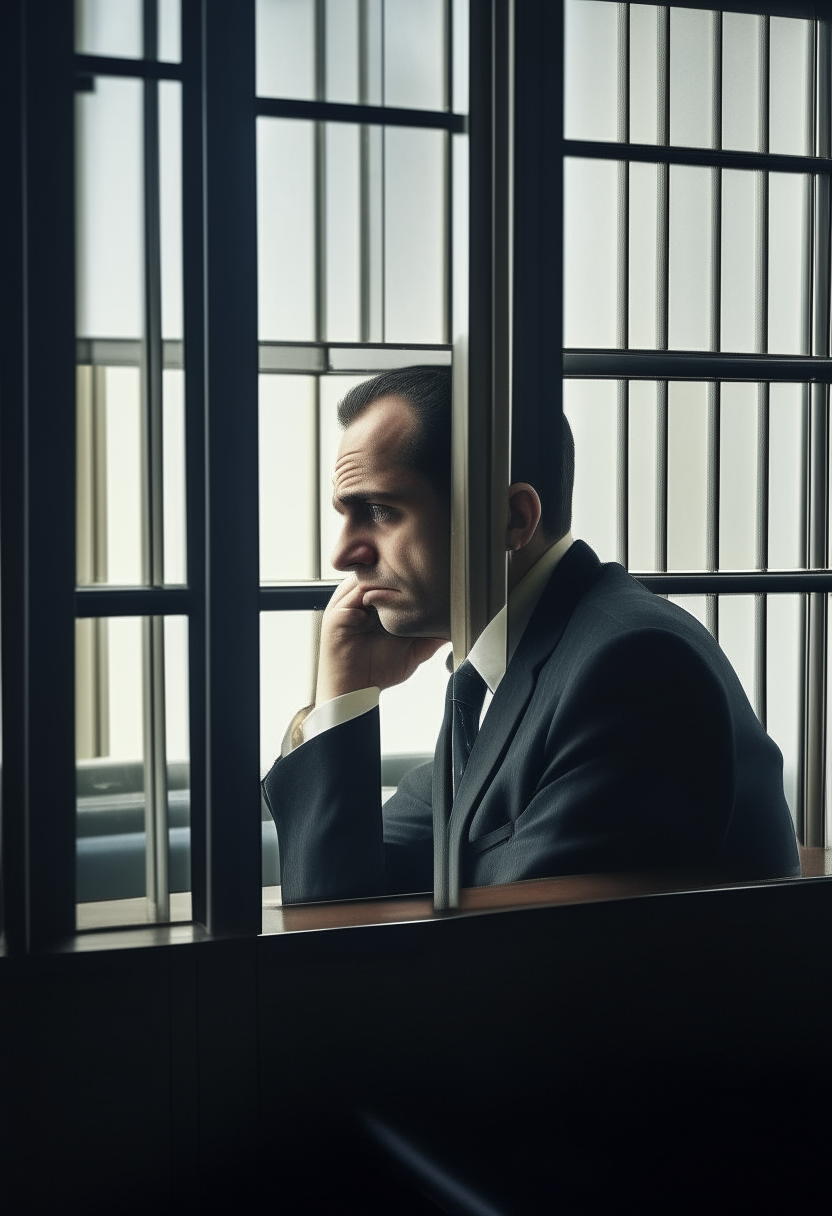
[(286, 229), (694, 604), (740, 271), (288, 483), (738, 477), (414, 54), (784, 701), (285, 48), (591, 70), (343, 232), (415, 235), (109, 210), (460, 56), (687, 478), (736, 637), (590, 290), (342, 54), (109, 524), (411, 716), (642, 476), (790, 102), (590, 406), (170, 30), (691, 77), (788, 253), (173, 471), (643, 265), (170, 205), (111, 867), (690, 257), (644, 61), (109, 27), (741, 58), (787, 430)]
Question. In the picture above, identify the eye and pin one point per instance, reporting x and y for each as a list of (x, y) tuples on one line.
[(379, 513)]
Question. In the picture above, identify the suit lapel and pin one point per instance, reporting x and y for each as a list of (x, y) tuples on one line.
[(572, 577)]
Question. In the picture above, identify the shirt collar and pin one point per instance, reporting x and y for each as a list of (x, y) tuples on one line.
[(490, 654)]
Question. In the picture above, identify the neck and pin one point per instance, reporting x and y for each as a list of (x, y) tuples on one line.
[(521, 561)]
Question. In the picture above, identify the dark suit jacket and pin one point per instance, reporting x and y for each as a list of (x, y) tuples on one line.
[(620, 738)]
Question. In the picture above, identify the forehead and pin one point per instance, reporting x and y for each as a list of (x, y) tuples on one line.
[(371, 446)]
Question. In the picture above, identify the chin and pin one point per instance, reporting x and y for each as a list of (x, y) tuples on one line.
[(401, 625)]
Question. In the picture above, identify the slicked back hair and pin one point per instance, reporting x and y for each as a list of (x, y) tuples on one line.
[(427, 390)]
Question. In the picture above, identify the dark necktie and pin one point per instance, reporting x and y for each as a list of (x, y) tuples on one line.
[(468, 694)]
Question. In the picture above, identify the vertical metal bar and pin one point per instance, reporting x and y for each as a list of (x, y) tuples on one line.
[(232, 559), (761, 258), (712, 522), (37, 473), (157, 883), (623, 281), (371, 154), (814, 827), (320, 176), (193, 273)]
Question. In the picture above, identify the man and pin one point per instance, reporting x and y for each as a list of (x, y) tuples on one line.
[(616, 737)]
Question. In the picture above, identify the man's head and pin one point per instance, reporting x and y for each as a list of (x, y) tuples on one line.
[(392, 488)]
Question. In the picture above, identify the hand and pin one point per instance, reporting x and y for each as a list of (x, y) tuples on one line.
[(357, 652)]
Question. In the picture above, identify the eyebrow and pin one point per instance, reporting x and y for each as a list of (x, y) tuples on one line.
[(365, 496)]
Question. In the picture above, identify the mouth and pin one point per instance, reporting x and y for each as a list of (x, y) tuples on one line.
[(378, 595)]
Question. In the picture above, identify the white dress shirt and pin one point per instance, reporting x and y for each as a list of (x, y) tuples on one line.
[(490, 654)]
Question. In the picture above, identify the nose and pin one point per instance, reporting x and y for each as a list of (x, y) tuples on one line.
[(352, 551)]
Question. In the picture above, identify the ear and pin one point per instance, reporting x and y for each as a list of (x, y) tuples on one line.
[(523, 515)]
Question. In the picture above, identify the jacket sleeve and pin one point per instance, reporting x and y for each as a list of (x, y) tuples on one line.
[(336, 841)]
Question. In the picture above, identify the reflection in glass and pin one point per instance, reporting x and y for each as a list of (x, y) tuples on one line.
[(111, 734), (738, 477), (110, 27), (644, 62), (643, 255), (741, 64), (286, 261), (591, 70), (790, 102), (285, 48), (788, 284), (590, 252), (690, 257), (590, 406), (287, 478), (109, 210), (415, 238), (687, 477), (414, 54), (740, 271)]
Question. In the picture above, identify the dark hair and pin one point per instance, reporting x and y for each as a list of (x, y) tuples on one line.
[(427, 390)]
